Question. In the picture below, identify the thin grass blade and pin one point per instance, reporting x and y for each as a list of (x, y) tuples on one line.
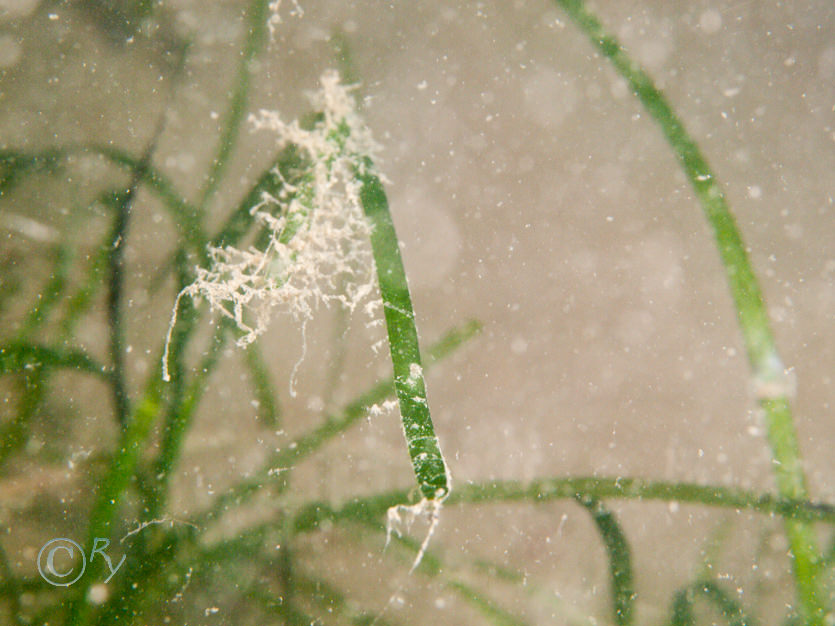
[(424, 449), (771, 382), (620, 560)]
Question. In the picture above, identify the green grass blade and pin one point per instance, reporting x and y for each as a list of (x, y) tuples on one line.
[(13, 583), (333, 426), (120, 203), (620, 560), (265, 393), (424, 449), (433, 566), (256, 31), (15, 432), (681, 612), (51, 294), (179, 419), (332, 599), (287, 166), (112, 490), (682, 609), (546, 489), (20, 356), (80, 302), (185, 215), (768, 369), (638, 489), (10, 282), (14, 165)]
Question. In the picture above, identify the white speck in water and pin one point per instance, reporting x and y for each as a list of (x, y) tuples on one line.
[(15, 9), (519, 345), (654, 53), (422, 85), (826, 64), (794, 231), (98, 594), (10, 51), (754, 192), (549, 96), (710, 21)]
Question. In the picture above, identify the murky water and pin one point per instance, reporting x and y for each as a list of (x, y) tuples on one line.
[(532, 192)]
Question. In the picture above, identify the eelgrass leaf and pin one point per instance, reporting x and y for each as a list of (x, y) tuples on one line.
[(15, 432), (682, 613), (80, 302), (51, 294), (560, 488), (332, 599), (13, 583), (287, 166), (771, 382), (16, 164), (21, 356), (256, 33), (265, 392), (335, 424), (424, 449), (113, 488), (620, 560), (19, 164), (433, 566), (179, 418)]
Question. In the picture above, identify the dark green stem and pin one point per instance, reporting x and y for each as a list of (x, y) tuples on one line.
[(620, 560), (114, 298)]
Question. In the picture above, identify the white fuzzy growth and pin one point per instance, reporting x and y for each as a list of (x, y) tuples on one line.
[(375, 409), (318, 250), (402, 514), (275, 16), (415, 375), (773, 380)]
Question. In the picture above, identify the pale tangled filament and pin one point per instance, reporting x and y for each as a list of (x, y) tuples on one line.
[(317, 250)]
